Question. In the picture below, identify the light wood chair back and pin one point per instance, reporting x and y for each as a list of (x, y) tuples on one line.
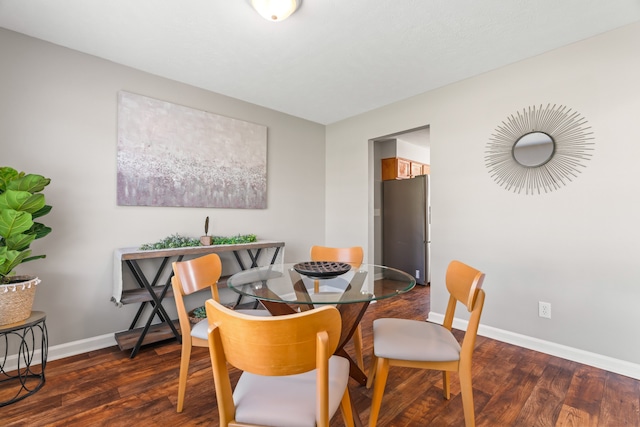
[(463, 283), (274, 347), (425, 345), (196, 274), (353, 255), (188, 277)]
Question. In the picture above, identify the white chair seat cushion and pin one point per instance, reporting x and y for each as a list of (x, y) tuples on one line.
[(287, 401), (200, 329), (416, 340)]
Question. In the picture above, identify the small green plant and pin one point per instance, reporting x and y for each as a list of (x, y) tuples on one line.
[(199, 312), (178, 241), (245, 238), (169, 242)]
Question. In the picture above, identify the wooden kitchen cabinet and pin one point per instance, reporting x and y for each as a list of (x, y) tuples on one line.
[(416, 169), (399, 168), (396, 168)]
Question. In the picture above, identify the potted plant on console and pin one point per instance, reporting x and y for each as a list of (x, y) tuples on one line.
[(21, 202)]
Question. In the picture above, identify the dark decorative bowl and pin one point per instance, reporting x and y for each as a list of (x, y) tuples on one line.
[(322, 269)]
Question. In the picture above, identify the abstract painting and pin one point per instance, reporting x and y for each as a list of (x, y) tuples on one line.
[(171, 155)]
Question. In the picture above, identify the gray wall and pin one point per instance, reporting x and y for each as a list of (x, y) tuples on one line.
[(576, 247), (58, 118)]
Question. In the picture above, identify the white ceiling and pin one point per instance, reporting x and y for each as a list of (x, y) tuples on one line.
[(332, 59)]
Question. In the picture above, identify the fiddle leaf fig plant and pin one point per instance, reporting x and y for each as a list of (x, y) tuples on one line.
[(21, 201)]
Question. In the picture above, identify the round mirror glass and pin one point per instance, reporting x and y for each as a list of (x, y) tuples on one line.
[(533, 149)]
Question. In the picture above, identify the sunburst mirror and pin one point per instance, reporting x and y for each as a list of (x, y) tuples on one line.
[(539, 149)]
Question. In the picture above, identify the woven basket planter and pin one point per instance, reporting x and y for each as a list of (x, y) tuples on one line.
[(16, 300)]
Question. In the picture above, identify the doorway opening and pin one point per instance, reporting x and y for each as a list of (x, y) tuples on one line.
[(414, 147)]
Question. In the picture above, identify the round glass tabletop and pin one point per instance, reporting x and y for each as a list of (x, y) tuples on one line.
[(291, 283)]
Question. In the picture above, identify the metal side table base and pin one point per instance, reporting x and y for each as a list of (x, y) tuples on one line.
[(27, 377)]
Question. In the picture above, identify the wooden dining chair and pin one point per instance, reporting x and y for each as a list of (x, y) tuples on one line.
[(426, 345), (290, 376), (191, 276), (354, 256)]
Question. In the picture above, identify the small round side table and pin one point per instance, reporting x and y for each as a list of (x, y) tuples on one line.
[(25, 376)]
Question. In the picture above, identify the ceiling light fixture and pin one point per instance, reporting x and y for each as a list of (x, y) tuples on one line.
[(275, 10)]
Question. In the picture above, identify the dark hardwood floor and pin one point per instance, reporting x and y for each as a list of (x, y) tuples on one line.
[(512, 387)]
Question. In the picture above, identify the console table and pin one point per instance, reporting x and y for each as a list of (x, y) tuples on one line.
[(150, 289), (29, 379)]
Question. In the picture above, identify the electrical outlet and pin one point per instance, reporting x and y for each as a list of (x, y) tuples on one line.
[(544, 309), (417, 274)]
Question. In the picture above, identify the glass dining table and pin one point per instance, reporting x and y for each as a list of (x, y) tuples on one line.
[(292, 287)]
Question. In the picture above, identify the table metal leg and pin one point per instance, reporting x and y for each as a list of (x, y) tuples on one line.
[(156, 301)]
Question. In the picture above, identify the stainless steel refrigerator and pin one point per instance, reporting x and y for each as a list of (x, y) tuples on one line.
[(405, 226)]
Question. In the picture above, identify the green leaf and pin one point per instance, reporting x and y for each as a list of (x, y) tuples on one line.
[(31, 258), (13, 222), (7, 175), (39, 230), (19, 242), (11, 259), (32, 183), (41, 212), (21, 201)]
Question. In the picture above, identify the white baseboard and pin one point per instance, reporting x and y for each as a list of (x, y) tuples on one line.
[(82, 346), (65, 350), (599, 361)]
